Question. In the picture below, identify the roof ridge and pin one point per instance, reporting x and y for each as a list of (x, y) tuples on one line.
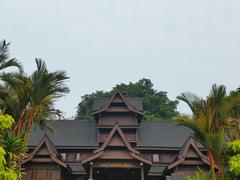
[(99, 97), (160, 121)]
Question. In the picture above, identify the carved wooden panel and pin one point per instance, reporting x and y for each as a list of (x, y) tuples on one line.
[(114, 164), (116, 154), (71, 156)]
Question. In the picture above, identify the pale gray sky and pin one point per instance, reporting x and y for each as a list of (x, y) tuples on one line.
[(181, 45)]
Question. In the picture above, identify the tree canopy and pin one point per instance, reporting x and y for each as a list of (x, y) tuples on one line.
[(157, 105)]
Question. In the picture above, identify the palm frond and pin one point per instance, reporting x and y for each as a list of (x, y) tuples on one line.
[(4, 50), (193, 101), (195, 126), (216, 142), (5, 61), (229, 105), (11, 63), (217, 93)]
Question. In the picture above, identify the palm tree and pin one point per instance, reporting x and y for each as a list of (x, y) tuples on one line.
[(30, 99), (46, 88), (211, 121), (5, 60)]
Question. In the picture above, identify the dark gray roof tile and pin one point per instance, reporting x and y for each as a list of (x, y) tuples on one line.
[(80, 133), (68, 133), (162, 134)]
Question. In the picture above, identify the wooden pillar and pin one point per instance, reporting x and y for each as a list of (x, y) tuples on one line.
[(142, 173), (91, 173)]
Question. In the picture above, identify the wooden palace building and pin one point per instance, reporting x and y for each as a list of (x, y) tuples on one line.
[(116, 145)]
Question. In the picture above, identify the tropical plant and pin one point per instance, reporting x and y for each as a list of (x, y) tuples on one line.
[(234, 158), (211, 121), (5, 60), (9, 153), (15, 151), (205, 175), (201, 175), (30, 99), (235, 133)]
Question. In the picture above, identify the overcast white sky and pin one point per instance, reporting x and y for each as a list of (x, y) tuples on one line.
[(181, 45)]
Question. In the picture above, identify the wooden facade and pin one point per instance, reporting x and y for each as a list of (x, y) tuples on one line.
[(114, 147)]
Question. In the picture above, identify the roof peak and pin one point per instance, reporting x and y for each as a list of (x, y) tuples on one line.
[(117, 97), (190, 142), (52, 151), (102, 101), (117, 129)]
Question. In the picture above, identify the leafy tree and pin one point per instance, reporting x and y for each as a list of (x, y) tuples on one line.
[(235, 133), (212, 119), (85, 106), (11, 149), (156, 104), (234, 158)]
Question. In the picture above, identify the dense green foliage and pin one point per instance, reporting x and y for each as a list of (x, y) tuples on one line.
[(6, 172), (234, 146), (156, 104), (234, 165), (6, 121), (11, 146), (234, 159)]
